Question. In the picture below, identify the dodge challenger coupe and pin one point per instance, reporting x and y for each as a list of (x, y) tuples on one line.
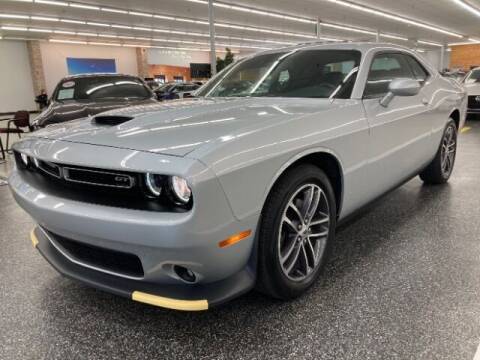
[(190, 203)]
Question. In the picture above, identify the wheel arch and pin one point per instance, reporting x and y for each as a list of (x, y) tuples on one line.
[(455, 115), (326, 160)]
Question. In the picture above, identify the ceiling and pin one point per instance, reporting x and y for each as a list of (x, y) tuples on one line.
[(238, 29)]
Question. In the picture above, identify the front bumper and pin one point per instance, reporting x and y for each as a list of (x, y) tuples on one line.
[(191, 298), (160, 240)]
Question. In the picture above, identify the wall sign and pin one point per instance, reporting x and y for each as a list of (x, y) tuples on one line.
[(85, 66)]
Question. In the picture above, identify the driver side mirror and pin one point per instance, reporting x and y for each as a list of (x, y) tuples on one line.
[(400, 87)]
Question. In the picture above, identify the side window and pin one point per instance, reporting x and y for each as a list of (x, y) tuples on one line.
[(386, 67), (418, 70)]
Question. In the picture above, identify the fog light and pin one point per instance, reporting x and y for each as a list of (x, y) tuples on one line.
[(185, 274)]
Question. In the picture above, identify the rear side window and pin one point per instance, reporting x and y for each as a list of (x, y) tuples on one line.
[(386, 67), (418, 70)]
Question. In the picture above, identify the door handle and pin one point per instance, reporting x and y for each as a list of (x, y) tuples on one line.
[(425, 101)]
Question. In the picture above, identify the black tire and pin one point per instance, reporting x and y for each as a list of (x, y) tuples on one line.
[(436, 173), (272, 279)]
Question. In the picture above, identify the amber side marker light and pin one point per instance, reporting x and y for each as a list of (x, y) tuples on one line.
[(235, 238)]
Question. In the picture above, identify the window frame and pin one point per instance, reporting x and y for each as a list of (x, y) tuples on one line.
[(394, 52)]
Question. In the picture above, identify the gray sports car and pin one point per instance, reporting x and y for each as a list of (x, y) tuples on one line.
[(188, 204)]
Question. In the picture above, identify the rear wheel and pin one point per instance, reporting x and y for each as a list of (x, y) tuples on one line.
[(441, 168), (296, 233)]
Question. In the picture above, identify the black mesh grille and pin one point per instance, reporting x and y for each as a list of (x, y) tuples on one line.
[(111, 260), (473, 103)]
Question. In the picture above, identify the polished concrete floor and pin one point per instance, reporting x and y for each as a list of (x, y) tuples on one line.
[(403, 283)]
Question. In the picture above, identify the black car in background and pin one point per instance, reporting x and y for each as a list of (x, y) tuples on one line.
[(176, 90), (84, 95)]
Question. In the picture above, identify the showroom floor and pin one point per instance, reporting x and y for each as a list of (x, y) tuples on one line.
[(404, 283)]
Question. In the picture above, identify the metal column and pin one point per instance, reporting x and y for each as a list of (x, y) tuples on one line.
[(211, 22), (319, 28), (442, 58)]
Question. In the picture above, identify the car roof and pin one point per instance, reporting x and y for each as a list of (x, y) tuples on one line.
[(340, 45)]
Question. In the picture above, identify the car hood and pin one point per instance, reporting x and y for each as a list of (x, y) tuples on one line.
[(58, 112), (179, 127), (473, 89)]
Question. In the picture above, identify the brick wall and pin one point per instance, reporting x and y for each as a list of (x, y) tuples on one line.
[(465, 56), (36, 66), (170, 71)]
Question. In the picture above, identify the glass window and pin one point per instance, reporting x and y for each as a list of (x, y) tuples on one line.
[(102, 87), (418, 70), (385, 68), (473, 77), (300, 73)]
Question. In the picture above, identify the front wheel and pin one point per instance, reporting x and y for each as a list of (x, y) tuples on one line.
[(441, 167), (296, 233)]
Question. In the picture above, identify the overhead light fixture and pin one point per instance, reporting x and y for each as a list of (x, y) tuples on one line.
[(40, 30), (64, 32), (104, 44), (51, 2), (97, 24), (429, 43), (112, 10), (14, 28), (13, 16), (86, 34), (67, 41), (117, 26), (72, 21), (401, 19), (348, 28), (468, 7), (84, 6), (43, 18), (136, 13)]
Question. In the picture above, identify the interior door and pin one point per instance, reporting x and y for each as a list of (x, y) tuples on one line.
[(401, 132)]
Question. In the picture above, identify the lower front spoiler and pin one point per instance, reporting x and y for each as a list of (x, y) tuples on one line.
[(178, 297)]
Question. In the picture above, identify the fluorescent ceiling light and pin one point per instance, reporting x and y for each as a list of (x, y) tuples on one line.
[(13, 16), (104, 44), (467, 7), (348, 28), (108, 35), (393, 17), (83, 6), (14, 28), (429, 43), (67, 41), (51, 2), (43, 18), (40, 30), (136, 13), (86, 34), (121, 26), (72, 21), (64, 32), (118, 11), (97, 24)]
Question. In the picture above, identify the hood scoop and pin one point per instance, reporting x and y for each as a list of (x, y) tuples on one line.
[(111, 120)]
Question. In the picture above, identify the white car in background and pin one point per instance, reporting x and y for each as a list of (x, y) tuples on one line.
[(472, 86)]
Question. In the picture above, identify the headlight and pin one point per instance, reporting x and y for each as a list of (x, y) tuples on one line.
[(154, 184), (180, 189), (25, 159)]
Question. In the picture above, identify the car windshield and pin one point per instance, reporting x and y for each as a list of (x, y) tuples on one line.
[(298, 73), (102, 87), (473, 77)]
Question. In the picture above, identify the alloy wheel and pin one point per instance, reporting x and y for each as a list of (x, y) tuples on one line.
[(303, 232), (449, 147)]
